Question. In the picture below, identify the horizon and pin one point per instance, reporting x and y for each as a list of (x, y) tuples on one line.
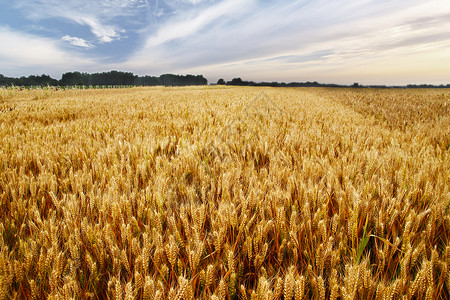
[(244, 81), (373, 43)]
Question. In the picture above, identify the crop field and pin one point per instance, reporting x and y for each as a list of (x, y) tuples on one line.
[(225, 193)]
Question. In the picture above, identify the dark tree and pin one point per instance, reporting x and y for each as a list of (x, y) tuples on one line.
[(72, 78), (35, 80), (236, 81), (180, 80), (147, 81), (3, 80), (112, 78), (221, 82)]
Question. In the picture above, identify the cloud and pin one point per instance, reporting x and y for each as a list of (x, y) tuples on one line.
[(99, 16), (187, 25), (77, 41), (27, 53), (105, 33), (334, 41), (293, 39)]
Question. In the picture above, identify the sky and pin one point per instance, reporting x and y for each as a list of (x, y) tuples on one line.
[(340, 41)]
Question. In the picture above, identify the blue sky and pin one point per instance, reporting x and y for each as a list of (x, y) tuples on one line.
[(340, 41)]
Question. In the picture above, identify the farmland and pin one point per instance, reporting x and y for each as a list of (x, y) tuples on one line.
[(225, 193)]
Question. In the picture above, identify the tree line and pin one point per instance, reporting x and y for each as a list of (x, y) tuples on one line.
[(104, 78), (129, 79), (239, 82)]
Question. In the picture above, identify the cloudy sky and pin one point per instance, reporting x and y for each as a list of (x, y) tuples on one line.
[(339, 41)]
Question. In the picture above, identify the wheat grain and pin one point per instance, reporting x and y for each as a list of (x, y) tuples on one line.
[(125, 192)]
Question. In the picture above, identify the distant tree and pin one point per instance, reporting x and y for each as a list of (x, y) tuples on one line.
[(8, 80), (180, 80), (147, 81), (221, 81), (47, 80), (112, 78), (72, 78), (195, 80), (236, 81), (200, 80), (36, 80), (167, 79)]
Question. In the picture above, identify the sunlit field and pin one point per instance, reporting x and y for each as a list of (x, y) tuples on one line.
[(225, 193)]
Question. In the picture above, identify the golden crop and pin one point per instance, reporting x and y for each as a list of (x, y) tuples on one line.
[(225, 193)]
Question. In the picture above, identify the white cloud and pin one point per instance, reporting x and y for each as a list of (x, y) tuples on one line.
[(194, 2), (263, 40), (24, 53), (77, 41), (190, 24), (97, 15), (329, 41), (105, 33)]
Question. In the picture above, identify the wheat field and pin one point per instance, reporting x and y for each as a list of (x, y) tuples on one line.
[(225, 193)]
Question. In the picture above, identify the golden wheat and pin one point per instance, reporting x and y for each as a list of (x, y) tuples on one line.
[(225, 193)]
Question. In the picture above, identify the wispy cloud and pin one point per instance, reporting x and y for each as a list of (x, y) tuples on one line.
[(99, 16), (26, 53), (290, 40), (331, 41), (105, 33), (77, 41), (183, 26)]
